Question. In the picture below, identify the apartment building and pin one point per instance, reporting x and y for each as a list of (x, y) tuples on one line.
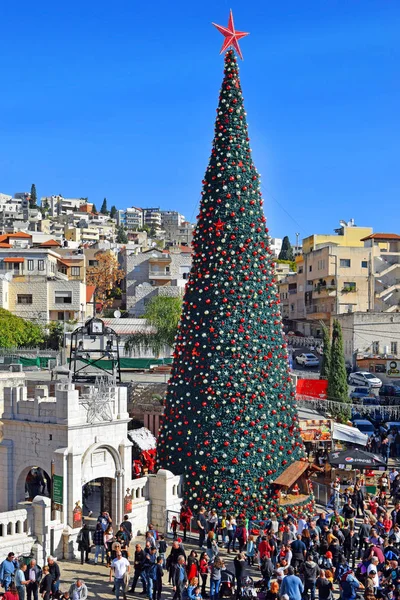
[(372, 338), (58, 205), (154, 272), (171, 219), (385, 270), (152, 218), (38, 283), (333, 277)]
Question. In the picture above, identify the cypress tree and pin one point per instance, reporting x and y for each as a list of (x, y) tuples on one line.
[(286, 252), (33, 197), (103, 208), (326, 356), (230, 424), (338, 390)]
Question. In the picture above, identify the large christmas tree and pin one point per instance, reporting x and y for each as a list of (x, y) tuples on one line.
[(230, 424)]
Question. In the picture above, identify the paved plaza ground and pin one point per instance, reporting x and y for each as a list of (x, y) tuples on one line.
[(96, 577)]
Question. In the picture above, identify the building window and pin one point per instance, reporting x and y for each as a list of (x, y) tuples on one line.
[(364, 264), (310, 268), (375, 347), (75, 271), (393, 348), (31, 264), (62, 269), (300, 270), (63, 297), (93, 263), (24, 298), (40, 265), (60, 316), (349, 286), (345, 262)]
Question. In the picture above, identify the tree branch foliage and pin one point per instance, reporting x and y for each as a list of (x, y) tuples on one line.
[(163, 315), (105, 276)]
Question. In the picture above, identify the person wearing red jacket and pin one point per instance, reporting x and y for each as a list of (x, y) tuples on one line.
[(184, 518)]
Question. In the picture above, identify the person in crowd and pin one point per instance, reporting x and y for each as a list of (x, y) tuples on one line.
[(350, 546), (230, 530), (212, 520), (310, 572), (20, 580), (120, 568), (273, 591), (240, 535), (12, 592), (98, 541), (78, 590), (105, 520), (299, 550), (185, 518), (174, 527), (179, 578), (211, 544), (239, 563), (159, 572), (55, 573), (172, 560), (7, 570), (250, 550), (127, 526), (324, 587), (215, 578), (138, 562), (46, 583), (203, 570), (108, 542), (162, 548), (201, 522), (292, 585), (34, 575), (192, 566), (84, 540)]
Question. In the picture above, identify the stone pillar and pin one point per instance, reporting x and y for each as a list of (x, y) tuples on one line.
[(41, 530), (7, 475), (162, 498)]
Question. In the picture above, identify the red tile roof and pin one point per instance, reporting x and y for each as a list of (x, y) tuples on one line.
[(4, 245), (19, 234), (382, 236), (49, 244), (89, 292)]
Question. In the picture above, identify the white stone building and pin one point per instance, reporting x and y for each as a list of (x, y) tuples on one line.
[(76, 440)]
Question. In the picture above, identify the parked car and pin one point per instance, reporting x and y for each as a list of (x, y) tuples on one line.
[(307, 360), (359, 392), (364, 378), (389, 390), (363, 425)]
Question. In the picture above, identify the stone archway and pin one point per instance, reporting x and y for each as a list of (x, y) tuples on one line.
[(101, 482), (33, 481)]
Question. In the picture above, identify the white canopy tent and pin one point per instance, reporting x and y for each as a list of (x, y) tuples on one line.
[(345, 433)]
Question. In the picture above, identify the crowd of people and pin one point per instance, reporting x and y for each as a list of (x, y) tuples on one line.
[(21, 580), (352, 549)]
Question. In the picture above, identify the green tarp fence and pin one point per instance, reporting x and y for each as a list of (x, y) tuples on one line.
[(39, 361), (130, 363)]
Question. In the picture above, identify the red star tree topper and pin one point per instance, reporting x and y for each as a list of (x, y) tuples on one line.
[(232, 37), (230, 425)]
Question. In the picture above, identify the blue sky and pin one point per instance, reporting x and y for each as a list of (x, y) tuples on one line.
[(118, 99)]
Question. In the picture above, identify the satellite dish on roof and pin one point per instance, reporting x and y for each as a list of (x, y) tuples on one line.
[(8, 276), (117, 314)]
